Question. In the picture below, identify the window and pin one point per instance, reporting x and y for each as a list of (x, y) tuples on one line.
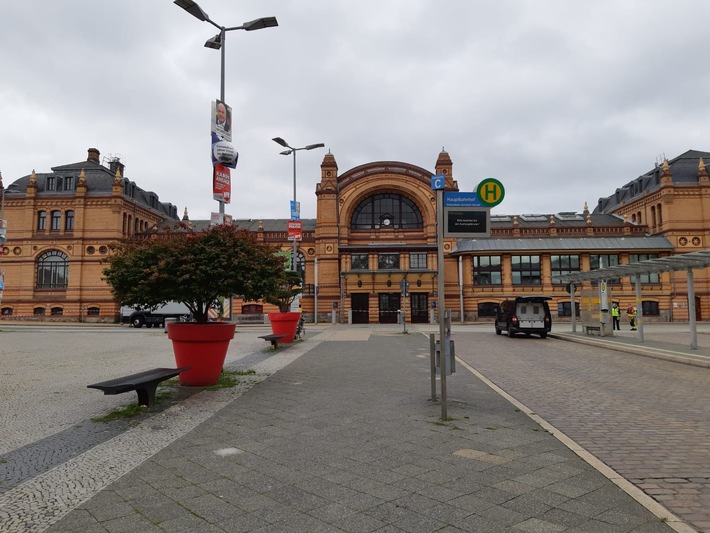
[(606, 260), (41, 220), (52, 270), (649, 308), (645, 278), (384, 211), (93, 311), (563, 264), (565, 309), (526, 269), (417, 260), (39, 311), (388, 261), (56, 220), (51, 183), (69, 221), (300, 263), (6, 311), (57, 311), (486, 270), (252, 309), (358, 262), (69, 183), (487, 308)]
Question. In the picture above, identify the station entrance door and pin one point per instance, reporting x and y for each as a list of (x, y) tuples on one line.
[(389, 306), (360, 306)]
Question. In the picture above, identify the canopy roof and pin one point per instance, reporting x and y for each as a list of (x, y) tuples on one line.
[(692, 260)]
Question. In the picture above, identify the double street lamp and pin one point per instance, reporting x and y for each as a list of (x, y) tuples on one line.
[(292, 150), (218, 41)]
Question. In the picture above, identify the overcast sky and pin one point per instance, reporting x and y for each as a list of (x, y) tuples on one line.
[(562, 101)]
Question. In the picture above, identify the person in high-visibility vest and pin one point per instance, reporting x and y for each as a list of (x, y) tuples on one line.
[(631, 313), (615, 316)]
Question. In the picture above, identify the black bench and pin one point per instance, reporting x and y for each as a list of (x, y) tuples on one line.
[(273, 339), (144, 383)]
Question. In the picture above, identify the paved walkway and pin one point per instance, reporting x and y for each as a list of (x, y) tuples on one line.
[(342, 436)]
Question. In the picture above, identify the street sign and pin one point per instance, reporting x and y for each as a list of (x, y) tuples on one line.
[(490, 192), (461, 199), (438, 182)]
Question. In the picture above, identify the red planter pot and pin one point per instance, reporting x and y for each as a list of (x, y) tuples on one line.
[(284, 324), (203, 347)]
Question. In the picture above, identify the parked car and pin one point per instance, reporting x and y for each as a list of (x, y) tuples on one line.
[(524, 314)]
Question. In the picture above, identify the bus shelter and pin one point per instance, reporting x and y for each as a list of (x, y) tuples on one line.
[(674, 263)]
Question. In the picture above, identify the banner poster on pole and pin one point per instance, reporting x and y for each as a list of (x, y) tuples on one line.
[(221, 183), (216, 218), (222, 150)]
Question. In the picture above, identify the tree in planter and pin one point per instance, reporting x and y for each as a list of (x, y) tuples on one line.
[(283, 293), (193, 267)]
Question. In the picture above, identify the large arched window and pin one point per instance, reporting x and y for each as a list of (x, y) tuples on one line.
[(385, 211), (52, 270)]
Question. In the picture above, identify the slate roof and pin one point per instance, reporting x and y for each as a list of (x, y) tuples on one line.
[(99, 181), (684, 170)]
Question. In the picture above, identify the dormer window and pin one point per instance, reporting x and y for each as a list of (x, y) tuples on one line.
[(51, 184)]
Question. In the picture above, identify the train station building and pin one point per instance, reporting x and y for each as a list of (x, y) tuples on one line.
[(374, 226)]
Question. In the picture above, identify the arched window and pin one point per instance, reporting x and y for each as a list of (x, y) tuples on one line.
[(300, 264), (7, 311), (52, 270), (385, 211)]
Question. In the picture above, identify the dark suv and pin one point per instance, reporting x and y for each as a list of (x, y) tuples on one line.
[(524, 314)]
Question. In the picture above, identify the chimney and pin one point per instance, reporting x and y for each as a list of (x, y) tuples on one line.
[(116, 165), (94, 155)]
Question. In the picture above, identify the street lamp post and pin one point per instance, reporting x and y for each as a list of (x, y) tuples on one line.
[(292, 150), (218, 41)]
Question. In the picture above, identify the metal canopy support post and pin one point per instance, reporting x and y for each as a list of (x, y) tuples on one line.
[(639, 308), (573, 307), (691, 311), (441, 297), (461, 288)]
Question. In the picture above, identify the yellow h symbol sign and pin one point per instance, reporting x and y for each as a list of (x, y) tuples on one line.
[(490, 192)]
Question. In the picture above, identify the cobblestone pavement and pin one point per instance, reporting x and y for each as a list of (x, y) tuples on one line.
[(53, 459), (648, 419), (60, 458)]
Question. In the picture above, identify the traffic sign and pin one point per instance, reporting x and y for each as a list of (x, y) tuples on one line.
[(438, 182), (490, 192)]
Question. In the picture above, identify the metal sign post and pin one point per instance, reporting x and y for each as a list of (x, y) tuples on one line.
[(440, 293)]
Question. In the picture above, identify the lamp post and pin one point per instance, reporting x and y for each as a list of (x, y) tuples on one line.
[(292, 150), (218, 41)]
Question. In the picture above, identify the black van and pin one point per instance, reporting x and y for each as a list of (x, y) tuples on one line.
[(524, 314)]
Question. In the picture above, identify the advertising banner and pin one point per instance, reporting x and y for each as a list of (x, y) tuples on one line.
[(222, 150), (221, 183), (295, 230)]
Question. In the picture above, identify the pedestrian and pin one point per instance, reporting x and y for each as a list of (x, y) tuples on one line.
[(631, 313), (615, 315)]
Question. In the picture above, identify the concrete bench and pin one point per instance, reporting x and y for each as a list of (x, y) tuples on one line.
[(144, 383), (273, 339)]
